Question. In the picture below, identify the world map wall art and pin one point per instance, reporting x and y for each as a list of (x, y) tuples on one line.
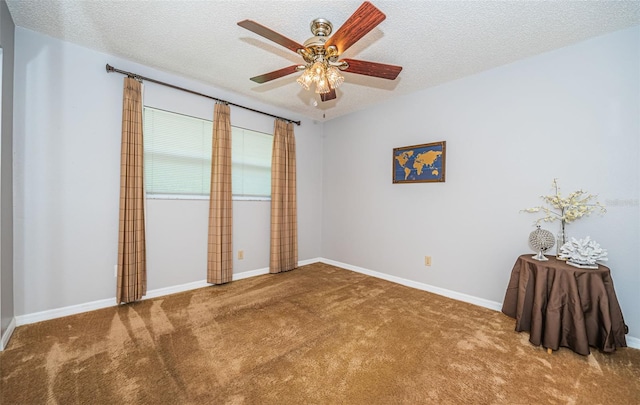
[(419, 163)]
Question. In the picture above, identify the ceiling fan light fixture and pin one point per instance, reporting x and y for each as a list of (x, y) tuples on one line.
[(324, 76), (306, 79), (334, 77), (318, 70), (322, 86)]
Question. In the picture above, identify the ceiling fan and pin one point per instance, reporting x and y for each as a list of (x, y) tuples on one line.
[(321, 53)]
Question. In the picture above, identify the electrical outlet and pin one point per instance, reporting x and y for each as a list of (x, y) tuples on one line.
[(240, 254), (427, 260)]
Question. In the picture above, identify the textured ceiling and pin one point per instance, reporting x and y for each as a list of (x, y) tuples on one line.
[(434, 41)]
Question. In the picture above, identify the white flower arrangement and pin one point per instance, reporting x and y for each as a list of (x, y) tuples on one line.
[(568, 209), (583, 252)]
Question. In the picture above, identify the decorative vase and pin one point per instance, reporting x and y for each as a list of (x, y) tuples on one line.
[(561, 240)]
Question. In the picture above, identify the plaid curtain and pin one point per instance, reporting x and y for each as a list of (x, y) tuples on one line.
[(284, 215), (132, 262), (220, 248)]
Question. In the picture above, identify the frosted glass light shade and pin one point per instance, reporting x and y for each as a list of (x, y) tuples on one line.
[(306, 79), (322, 86), (334, 77)]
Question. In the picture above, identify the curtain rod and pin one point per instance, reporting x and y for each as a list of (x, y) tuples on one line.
[(139, 77)]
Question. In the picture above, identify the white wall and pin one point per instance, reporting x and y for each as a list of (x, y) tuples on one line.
[(6, 173), (570, 114), (67, 151)]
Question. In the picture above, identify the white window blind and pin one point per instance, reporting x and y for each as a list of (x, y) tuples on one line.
[(177, 154), (251, 156)]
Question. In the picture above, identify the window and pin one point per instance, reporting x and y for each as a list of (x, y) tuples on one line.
[(177, 155)]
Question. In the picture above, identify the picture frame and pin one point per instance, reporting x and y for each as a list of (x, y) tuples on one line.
[(424, 163)]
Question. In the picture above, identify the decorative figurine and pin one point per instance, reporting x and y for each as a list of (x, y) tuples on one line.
[(541, 240), (583, 253)]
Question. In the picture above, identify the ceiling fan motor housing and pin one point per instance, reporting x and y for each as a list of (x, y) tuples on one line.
[(321, 27), (314, 47), (315, 42)]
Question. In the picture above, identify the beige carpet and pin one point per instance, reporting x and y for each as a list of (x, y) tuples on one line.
[(315, 335)]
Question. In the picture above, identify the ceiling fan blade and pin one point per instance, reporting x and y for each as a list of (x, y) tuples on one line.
[(374, 69), (270, 34), (328, 96), (276, 74), (365, 18)]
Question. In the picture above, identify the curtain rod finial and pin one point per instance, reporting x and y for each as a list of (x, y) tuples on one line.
[(109, 68)]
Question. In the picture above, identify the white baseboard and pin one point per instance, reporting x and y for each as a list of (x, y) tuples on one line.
[(496, 306), (633, 342), (64, 311), (250, 273), (159, 292), (309, 261), (110, 302), (4, 341)]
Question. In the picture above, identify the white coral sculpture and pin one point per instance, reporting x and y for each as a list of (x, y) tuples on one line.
[(583, 251)]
